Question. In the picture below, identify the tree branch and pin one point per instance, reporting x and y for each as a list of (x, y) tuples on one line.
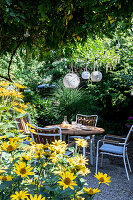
[(10, 62), (6, 78)]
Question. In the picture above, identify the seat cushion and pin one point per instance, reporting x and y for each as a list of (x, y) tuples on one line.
[(76, 136), (111, 148)]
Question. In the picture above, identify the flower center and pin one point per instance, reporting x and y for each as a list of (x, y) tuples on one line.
[(10, 148), (67, 181), (20, 197), (4, 178), (23, 170), (91, 191), (101, 179)]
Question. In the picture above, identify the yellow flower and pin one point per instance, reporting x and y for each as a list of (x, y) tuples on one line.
[(3, 137), (36, 198), (84, 171), (102, 178), (25, 157), (9, 147), (23, 105), (5, 92), (36, 182), (66, 180), (28, 138), (4, 84), (58, 143), (22, 170), (15, 139), (54, 157), (78, 38), (81, 160), (38, 154), (78, 197), (45, 164), (22, 195), (20, 110), (91, 191), (16, 94), (58, 146), (57, 149), (31, 126), (110, 19), (1, 171), (6, 178), (47, 154), (59, 169), (18, 85), (81, 142)]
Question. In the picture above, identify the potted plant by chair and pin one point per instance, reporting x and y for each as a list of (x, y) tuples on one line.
[(129, 122)]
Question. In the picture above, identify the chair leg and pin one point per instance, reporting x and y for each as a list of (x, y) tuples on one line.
[(102, 160), (125, 166), (76, 147), (84, 152), (68, 140), (91, 151), (93, 143), (97, 158), (128, 162)]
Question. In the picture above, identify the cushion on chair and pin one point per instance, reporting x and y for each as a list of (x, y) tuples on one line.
[(111, 148), (76, 136)]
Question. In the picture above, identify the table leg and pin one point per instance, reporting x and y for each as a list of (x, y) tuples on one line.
[(91, 150), (84, 152)]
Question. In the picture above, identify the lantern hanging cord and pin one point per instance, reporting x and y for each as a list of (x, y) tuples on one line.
[(87, 63), (95, 65), (72, 68)]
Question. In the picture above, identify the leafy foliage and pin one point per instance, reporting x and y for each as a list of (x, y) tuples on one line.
[(51, 24)]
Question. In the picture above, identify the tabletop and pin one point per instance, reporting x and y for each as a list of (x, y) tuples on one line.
[(88, 130)]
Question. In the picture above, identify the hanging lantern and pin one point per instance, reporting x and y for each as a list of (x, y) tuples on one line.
[(71, 80), (85, 75), (26, 33), (132, 91), (96, 76)]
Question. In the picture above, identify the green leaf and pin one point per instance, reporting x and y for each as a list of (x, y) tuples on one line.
[(5, 184), (9, 2)]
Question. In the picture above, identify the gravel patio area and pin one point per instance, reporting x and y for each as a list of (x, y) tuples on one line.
[(119, 188)]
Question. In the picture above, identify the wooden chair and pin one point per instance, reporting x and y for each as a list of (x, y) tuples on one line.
[(86, 120), (115, 146), (42, 135), (21, 124), (46, 135)]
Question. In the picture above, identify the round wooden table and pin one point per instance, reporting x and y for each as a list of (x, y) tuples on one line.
[(88, 131), (83, 132)]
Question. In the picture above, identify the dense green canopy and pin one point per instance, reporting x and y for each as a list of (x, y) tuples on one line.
[(52, 23)]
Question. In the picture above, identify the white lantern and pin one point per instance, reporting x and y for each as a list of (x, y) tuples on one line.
[(85, 75), (131, 91), (71, 80), (96, 76)]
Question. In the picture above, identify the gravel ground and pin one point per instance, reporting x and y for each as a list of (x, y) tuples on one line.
[(119, 188)]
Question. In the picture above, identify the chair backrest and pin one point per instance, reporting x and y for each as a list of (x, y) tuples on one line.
[(21, 123), (129, 135), (88, 120), (46, 135)]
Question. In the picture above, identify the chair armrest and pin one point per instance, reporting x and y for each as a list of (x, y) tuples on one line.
[(110, 141), (114, 136)]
